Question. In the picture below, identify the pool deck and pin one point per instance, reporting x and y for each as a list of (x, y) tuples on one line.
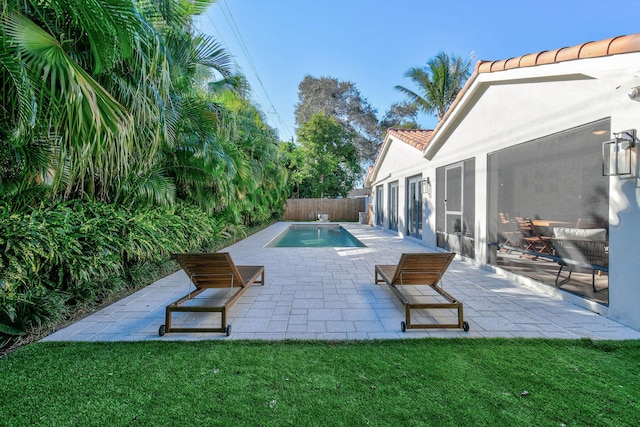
[(330, 294)]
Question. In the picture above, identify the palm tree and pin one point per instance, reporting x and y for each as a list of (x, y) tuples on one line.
[(68, 132), (174, 116), (105, 99), (92, 89), (438, 83)]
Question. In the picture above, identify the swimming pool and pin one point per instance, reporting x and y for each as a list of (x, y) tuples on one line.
[(315, 236)]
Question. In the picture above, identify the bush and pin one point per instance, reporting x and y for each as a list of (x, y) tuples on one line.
[(58, 258)]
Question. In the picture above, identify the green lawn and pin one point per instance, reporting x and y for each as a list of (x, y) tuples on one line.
[(510, 382)]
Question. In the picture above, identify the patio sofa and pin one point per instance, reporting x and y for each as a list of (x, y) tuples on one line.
[(586, 248)]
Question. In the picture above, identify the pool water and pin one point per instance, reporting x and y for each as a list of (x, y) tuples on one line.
[(315, 236)]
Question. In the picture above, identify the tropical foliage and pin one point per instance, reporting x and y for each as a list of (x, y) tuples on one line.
[(124, 135), (59, 258), (327, 159), (438, 83)]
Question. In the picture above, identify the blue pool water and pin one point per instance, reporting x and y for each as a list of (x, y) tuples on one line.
[(315, 236)]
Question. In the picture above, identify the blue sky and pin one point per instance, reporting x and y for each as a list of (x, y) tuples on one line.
[(372, 42)]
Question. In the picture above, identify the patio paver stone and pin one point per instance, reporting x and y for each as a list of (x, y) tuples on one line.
[(330, 294)]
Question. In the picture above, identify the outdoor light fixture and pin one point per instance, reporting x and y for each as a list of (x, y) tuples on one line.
[(616, 154), (426, 187), (634, 93)]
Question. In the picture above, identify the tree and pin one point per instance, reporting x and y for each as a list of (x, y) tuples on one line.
[(293, 160), (403, 115), (103, 104), (438, 83), (342, 101), (330, 160)]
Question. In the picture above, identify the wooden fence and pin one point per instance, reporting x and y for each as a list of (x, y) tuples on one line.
[(337, 209)]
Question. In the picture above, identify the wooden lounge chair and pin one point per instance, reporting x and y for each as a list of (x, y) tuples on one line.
[(207, 271), (421, 269)]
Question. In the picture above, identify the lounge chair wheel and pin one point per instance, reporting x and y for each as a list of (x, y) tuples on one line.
[(162, 330), (403, 326), (227, 330), (465, 326)]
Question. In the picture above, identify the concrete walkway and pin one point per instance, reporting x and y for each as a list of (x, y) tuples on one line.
[(329, 294)]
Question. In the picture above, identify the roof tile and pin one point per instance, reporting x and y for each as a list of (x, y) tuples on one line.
[(625, 44), (417, 138), (596, 49), (546, 57), (569, 53), (611, 46)]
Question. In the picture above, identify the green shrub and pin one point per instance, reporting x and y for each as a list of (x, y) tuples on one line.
[(68, 256)]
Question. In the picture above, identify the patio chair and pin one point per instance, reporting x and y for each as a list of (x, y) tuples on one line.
[(533, 240), (211, 271), (421, 269), (510, 236)]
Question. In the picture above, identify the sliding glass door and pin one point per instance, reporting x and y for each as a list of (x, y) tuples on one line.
[(379, 205), (393, 206), (414, 207)]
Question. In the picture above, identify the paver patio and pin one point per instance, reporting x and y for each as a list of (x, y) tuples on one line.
[(330, 294)]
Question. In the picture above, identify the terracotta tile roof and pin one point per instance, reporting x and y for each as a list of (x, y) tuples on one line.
[(612, 46), (417, 138)]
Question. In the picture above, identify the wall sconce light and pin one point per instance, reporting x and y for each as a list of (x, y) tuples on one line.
[(426, 187), (634, 93), (616, 154)]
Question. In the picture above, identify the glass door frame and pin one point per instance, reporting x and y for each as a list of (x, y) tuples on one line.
[(379, 205), (394, 203), (455, 226), (414, 206)]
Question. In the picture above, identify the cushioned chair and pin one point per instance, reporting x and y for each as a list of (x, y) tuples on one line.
[(210, 271), (421, 269), (581, 247)]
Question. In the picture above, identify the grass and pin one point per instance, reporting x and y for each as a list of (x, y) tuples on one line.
[(489, 382)]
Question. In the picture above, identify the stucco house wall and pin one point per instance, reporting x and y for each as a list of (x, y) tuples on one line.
[(397, 162)]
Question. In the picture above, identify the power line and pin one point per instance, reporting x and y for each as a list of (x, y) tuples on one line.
[(228, 15), (240, 39)]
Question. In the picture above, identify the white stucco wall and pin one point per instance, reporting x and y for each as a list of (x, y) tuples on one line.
[(398, 162), (505, 108)]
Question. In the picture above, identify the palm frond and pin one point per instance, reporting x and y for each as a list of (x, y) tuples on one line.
[(152, 187), (208, 52)]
